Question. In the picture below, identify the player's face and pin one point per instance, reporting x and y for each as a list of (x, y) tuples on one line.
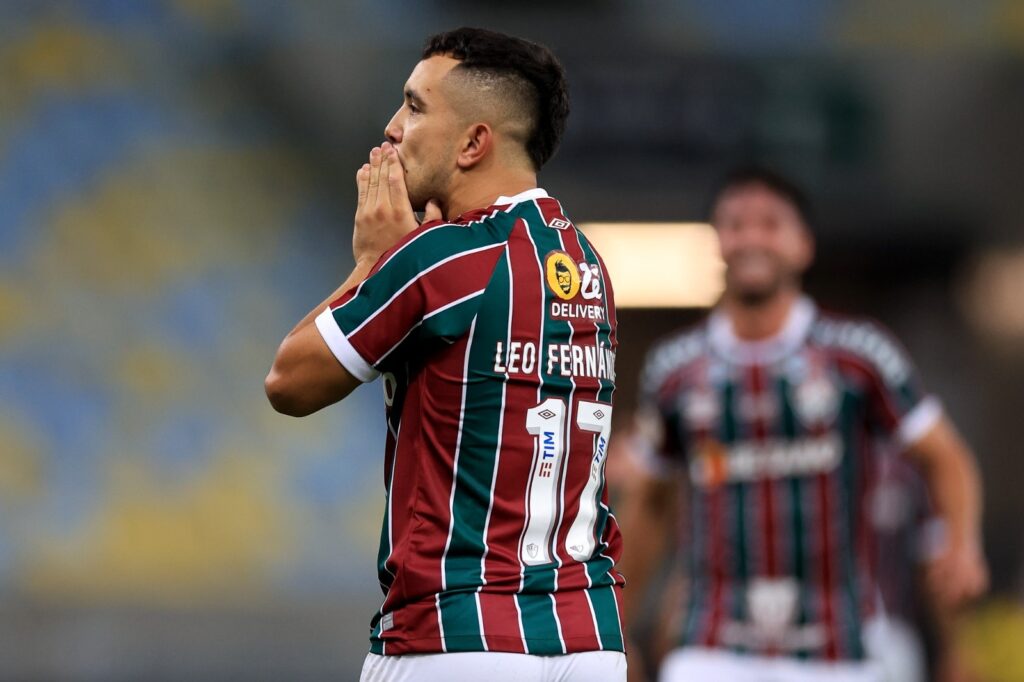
[(425, 132), (764, 243)]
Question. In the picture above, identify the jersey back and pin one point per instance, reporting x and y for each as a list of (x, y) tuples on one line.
[(495, 336)]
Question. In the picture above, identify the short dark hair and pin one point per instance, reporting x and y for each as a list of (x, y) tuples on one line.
[(775, 182), (532, 67)]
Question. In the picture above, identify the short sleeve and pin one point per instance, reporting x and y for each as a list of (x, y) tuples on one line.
[(430, 285), (903, 410)]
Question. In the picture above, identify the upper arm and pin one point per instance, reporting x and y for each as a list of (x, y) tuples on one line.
[(900, 406), (306, 376), (429, 287), (938, 445)]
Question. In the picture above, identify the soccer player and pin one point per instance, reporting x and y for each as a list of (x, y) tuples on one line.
[(493, 329), (767, 415)]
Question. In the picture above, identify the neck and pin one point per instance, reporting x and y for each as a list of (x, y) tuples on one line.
[(472, 192), (761, 320)]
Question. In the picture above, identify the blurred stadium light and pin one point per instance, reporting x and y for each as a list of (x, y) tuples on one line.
[(660, 265)]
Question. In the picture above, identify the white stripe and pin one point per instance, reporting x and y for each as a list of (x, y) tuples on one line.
[(919, 421), (455, 470), (501, 424), (440, 621), (570, 421), (426, 317), (342, 348), (540, 384), (522, 631), (415, 279), (558, 622), (593, 616), (480, 620)]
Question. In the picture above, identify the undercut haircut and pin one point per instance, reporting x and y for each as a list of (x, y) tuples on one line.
[(773, 181), (525, 77)]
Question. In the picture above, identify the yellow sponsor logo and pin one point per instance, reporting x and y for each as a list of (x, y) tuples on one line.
[(563, 278)]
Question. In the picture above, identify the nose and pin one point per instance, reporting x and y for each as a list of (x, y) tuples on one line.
[(393, 130)]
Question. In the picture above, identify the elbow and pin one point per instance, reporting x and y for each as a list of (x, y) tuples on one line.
[(283, 397)]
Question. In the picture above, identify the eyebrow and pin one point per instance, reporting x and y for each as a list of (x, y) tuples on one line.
[(412, 95)]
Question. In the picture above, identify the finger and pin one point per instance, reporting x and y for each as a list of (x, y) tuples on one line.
[(432, 212), (397, 191), (362, 184), (384, 194), (371, 196)]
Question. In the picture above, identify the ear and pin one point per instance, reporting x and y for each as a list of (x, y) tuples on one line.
[(477, 143)]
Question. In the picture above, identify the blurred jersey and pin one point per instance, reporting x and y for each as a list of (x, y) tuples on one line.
[(495, 335), (777, 441)]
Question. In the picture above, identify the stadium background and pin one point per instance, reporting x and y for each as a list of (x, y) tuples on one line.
[(176, 190)]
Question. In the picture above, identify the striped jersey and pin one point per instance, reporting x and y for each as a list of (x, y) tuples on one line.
[(495, 338), (776, 441)]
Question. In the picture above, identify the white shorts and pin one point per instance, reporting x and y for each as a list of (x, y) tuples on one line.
[(710, 665), (590, 666)]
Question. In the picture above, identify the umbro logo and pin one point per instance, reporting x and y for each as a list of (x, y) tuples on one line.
[(559, 224)]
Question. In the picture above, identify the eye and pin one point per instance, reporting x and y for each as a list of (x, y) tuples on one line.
[(413, 108)]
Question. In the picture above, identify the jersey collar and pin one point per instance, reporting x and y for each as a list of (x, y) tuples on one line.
[(794, 332), (528, 195)]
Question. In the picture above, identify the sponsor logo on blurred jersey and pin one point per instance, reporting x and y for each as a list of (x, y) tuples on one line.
[(816, 401), (716, 464), (772, 609), (559, 224)]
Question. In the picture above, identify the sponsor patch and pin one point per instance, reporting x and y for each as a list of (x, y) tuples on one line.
[(562, 275)]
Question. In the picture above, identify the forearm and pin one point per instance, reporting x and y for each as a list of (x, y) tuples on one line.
[(647, 521), (954, 483)]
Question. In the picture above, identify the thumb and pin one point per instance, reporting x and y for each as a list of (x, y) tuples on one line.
[(432, 212)]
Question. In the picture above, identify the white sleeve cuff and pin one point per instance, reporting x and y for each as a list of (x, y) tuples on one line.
[(347, 355), (919, 421)]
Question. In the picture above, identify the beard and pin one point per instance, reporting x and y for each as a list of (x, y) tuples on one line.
[(752, 294), (428, 182)]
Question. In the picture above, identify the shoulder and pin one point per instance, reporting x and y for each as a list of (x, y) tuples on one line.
[(866, 340), (439, 240), (675, 352)]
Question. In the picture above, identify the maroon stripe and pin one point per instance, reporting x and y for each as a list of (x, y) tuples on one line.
[(501, 622), (578, 629), (455, 279), (508, 514)]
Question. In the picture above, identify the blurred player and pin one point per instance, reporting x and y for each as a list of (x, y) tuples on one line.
[(494, 330), (767, 415)]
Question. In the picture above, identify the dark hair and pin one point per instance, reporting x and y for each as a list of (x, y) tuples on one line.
[(531, 65), (776, 183)]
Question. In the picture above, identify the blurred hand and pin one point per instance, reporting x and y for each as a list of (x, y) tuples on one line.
[(958, 574), (383, 214)]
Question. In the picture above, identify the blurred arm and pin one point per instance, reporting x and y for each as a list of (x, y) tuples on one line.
[(647, 516), (954, 485)]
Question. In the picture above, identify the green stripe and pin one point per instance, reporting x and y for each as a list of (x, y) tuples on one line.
[(427, 250), (376, 644), (475, 466), (729, 434), (541, 630), (790, 430), (606, 612), (540, 580), (599, 568), (849, 411)]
